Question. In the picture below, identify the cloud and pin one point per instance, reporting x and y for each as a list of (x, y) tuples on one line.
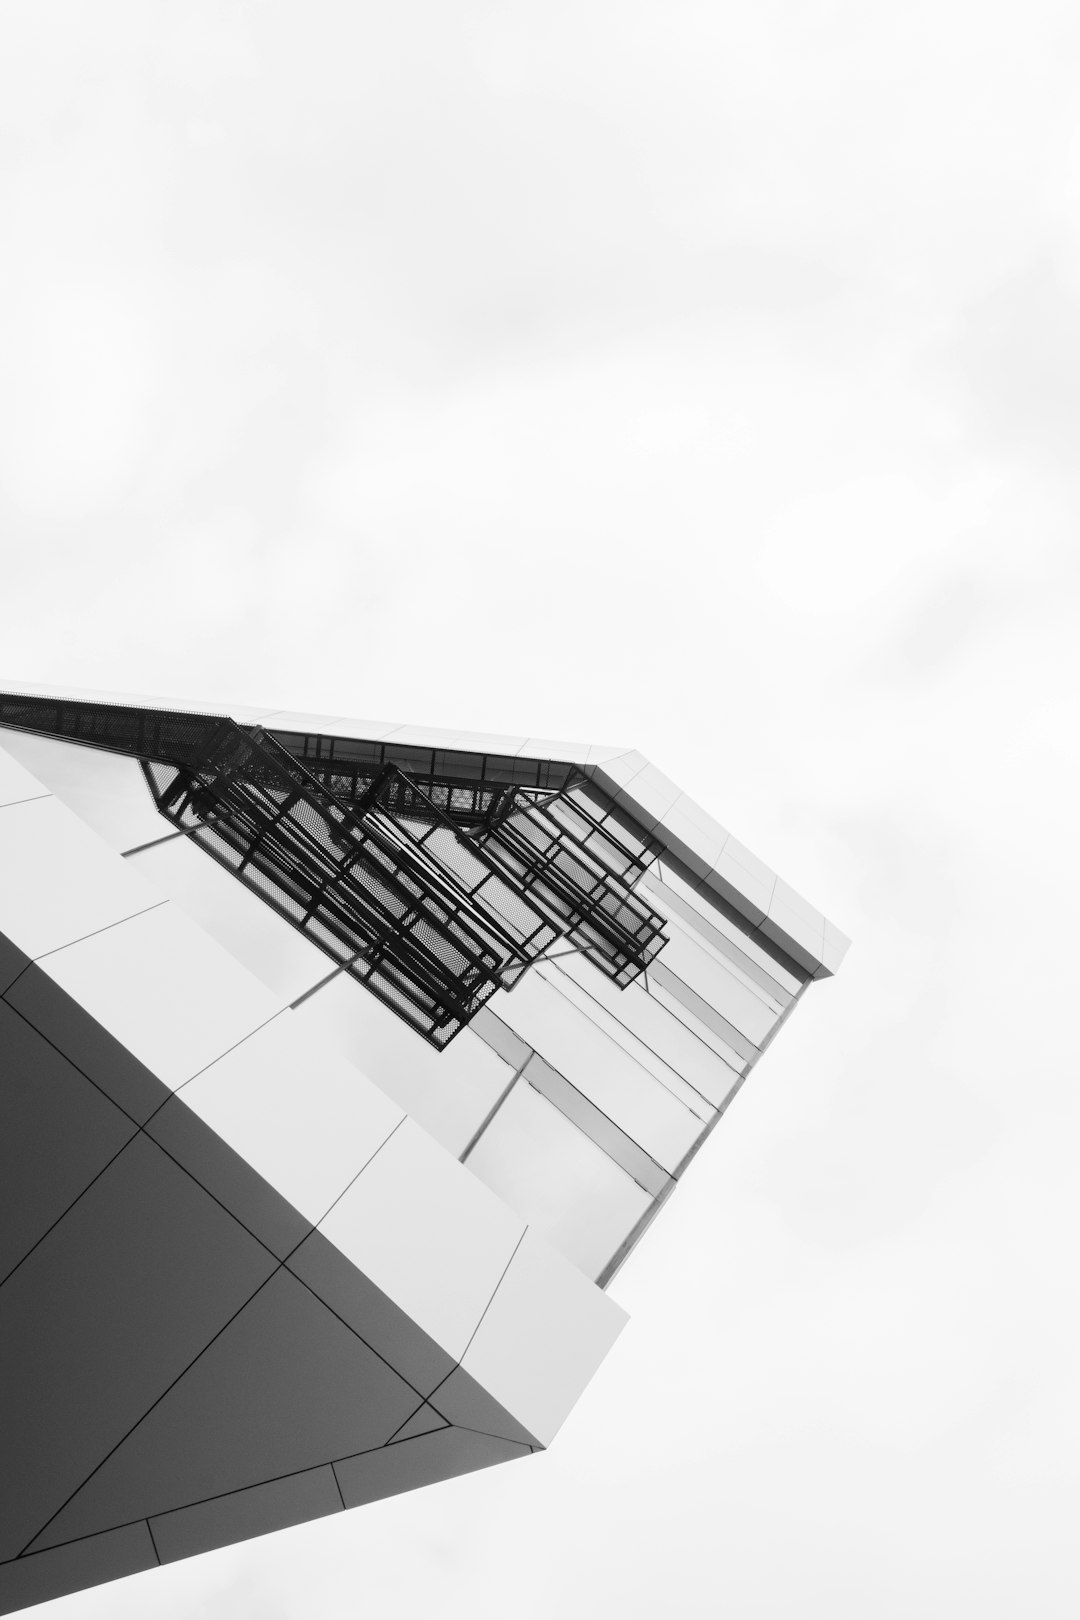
[(699, 377)]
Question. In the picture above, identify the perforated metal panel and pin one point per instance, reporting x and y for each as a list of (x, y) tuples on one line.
[(432, 890), (412, 910)]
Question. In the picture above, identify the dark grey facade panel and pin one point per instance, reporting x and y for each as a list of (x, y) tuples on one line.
[(227, 1177), (371, 1313), (43, 1576), (89, 1047), (58, 1131), (432, 1457), (140, 1274), (238, 1515), (281, 1388)]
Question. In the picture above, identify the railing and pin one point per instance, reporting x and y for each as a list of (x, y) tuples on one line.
[(433, 902)]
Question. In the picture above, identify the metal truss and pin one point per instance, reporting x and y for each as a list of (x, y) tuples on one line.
[(433, 890)]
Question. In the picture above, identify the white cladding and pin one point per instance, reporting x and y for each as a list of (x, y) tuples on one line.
[(579, 1104), (456, 1209)]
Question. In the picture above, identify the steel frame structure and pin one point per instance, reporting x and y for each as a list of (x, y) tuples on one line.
[(433, 891)]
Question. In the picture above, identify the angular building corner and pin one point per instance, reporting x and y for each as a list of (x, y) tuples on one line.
[(341, 1066)]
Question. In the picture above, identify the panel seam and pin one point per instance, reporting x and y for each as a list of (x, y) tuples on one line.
[(107, 929)]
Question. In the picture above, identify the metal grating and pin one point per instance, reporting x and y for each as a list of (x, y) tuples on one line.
[(428, 925), (576, 869), (539, 820), (467, 787), (432, 889), (164, 734), (580, 869)]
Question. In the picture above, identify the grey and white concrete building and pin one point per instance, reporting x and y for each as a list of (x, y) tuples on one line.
[(341, 1066)]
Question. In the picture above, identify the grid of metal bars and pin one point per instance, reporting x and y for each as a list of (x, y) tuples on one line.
[(432, 876), (165, 734), (466, 786), (349, 756), (408, 909), (581, 869), (537, 819)]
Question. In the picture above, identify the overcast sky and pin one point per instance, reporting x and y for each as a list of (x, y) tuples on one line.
[(699, 377)]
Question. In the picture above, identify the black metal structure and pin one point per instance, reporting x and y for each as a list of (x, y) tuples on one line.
[(552, 847), (433, 890), (541, 821), (581, 870), (463, 784)]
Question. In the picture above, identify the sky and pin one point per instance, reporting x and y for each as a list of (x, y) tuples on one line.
[(696, 377)]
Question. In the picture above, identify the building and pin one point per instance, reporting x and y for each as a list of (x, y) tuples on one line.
[(342, 1066)]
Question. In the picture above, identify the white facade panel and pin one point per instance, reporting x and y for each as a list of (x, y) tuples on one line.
[(740, 1003), (277, 953), (143, 980), (298, 1265), (750, 887), (662, 1072), (428, 1233), (689, 1052), (542, 1338), (695, 1015), (105, 790), (745, 952), (737, 872), (562, 1182), (58, 882), (298, 1113), (582, 1051), (650, 794), (549, 748), (448, 1093), (799, 930), (16, 782), (332, 725)]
